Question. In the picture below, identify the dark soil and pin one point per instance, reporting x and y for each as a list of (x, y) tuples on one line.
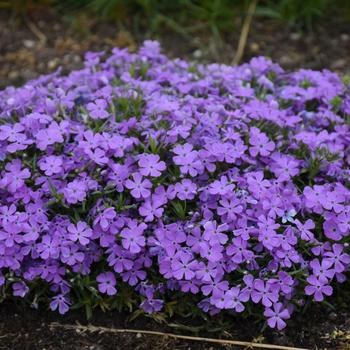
[(24, 328), (39, 44)]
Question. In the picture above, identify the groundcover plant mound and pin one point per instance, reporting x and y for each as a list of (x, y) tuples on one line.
[(140, 180)]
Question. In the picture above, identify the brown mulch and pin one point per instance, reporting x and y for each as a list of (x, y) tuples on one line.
[(22, 327), (39, 44)]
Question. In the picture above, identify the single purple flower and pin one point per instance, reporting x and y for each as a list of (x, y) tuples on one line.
[(80, 232), (106, 283), (276, 316), (150, 165), (139, 188)]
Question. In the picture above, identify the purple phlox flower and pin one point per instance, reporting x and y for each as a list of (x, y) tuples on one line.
[(262, 292), (274, 207), (60, 302), (267, 234), (173, 238), (229, 208), (343, 220), (216, 287), (139, 188), (134, 275), (235, 299), (150, 165), (333, 200), (284, 283), (284, 165), (150, 49), (331, 228), (71, 255), (184, 266), (207, 160), (322, 269), (75, 191), (14, 177), (212, 253), (288, 239), (98, 109), (10, 234), (49, 136), (191, 286), (276, 316), (118, 174), (20, 289), (213, 233), (232, 152), (257, 185), (243, 230), (80, 232), (186, 189), (188, 160), (98, 156), (260, 143), (305, 228), (337, 258), (8, 213), (92, 141), (195, 240), (317, 288), (106, 283), (150, 306), (118, 144), (222, 186), (267, 224), (31, 232), (11, 132), (120, 260), (238, 251), (208, 205), (48, 248), (152, 208), (314, 197), (133, 238), (51, 165), (206, 272), (105, 218), (288, 257)]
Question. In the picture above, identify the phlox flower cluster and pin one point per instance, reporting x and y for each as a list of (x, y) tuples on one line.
[(167, 178)]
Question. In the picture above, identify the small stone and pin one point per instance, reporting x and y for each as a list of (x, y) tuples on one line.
[(13, 75), (138, 335), (295, 36), (254, 47), (197, 54), (345, 37), (29, 44), (339, 63), (332, 316), (52, 64)]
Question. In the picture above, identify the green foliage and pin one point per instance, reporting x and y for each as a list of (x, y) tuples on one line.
[(299, 12), (187, 17)]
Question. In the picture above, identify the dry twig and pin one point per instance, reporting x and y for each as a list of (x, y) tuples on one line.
[(93, 329), (244, 33), (36, 31)]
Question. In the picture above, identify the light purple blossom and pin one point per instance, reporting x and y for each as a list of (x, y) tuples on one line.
[(276, 316), (106, 283)]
